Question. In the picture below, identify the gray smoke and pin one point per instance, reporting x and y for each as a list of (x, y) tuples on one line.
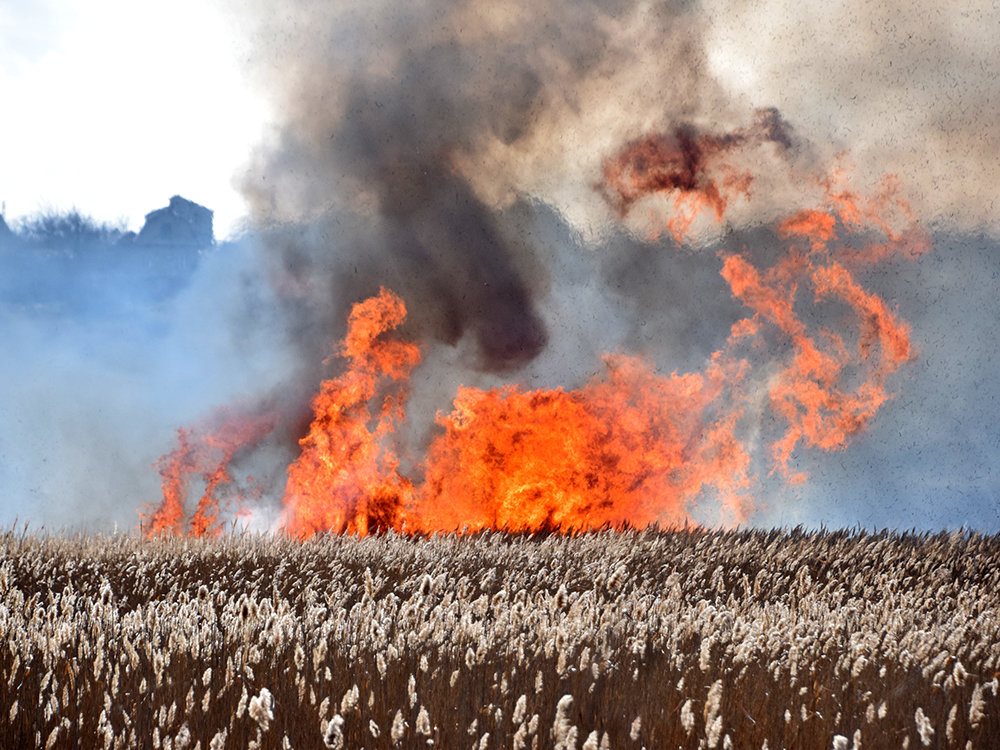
[(517, 97), (453, 152), (394, 119), (907, 87), (405, 131), (109, 349)]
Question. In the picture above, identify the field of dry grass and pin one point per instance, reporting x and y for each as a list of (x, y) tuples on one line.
[(649, 639)]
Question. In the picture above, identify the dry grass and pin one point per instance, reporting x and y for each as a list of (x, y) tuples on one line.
[(624, 640)]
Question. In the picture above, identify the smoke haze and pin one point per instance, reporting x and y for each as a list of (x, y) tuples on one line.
[(454, 152)]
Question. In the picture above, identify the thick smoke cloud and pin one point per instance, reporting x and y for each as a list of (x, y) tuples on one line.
[(544, 89), (908, 87), (407, 130), (453, 152)]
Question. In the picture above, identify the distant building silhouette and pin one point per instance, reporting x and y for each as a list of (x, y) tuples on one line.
[(183, 222), (65, 263)]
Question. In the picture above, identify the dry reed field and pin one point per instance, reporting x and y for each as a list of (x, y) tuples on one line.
[(689, 639)]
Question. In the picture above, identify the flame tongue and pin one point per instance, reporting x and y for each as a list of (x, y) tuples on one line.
[(346, 477), (207, 450)]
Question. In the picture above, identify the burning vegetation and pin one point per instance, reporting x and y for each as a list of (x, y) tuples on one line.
[(686, 639), (634, 446)]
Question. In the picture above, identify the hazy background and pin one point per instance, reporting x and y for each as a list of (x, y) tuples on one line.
[(451, 151)]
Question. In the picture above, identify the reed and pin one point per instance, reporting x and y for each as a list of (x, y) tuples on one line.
[(686, 639)]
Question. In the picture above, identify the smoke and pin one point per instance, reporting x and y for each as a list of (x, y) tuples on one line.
[(407, 130), (107, 353), (908, 88), (407, 133), (527, 97)]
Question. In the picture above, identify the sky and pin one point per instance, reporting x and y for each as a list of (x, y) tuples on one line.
[(372, 140), (112, 107)]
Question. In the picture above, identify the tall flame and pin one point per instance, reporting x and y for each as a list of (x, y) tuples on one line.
[(347, 477), (633, 446)]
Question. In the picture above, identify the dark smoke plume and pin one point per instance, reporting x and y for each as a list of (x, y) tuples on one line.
[(393, 120)]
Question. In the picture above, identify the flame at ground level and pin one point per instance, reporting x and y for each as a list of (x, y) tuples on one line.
[(206, 451), (633, 446)]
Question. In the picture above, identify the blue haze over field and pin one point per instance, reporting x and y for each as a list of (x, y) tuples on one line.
[(112, 346)]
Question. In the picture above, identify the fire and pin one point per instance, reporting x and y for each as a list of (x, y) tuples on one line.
[(689, 166), (679, 163), (817, 393), (633, 446), (346, 477), (207, 450)]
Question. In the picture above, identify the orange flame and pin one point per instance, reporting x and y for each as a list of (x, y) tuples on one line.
[(809, 392), (210, 454), (633, 446), (346, 478), (682, 164)]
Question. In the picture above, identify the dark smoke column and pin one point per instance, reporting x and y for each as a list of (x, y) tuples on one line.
[(440, 238), (372, 148), (390, 113)]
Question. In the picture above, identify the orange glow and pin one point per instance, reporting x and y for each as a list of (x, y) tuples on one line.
[(632, 447), (686, 167), (818, 226), (807, 393)]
